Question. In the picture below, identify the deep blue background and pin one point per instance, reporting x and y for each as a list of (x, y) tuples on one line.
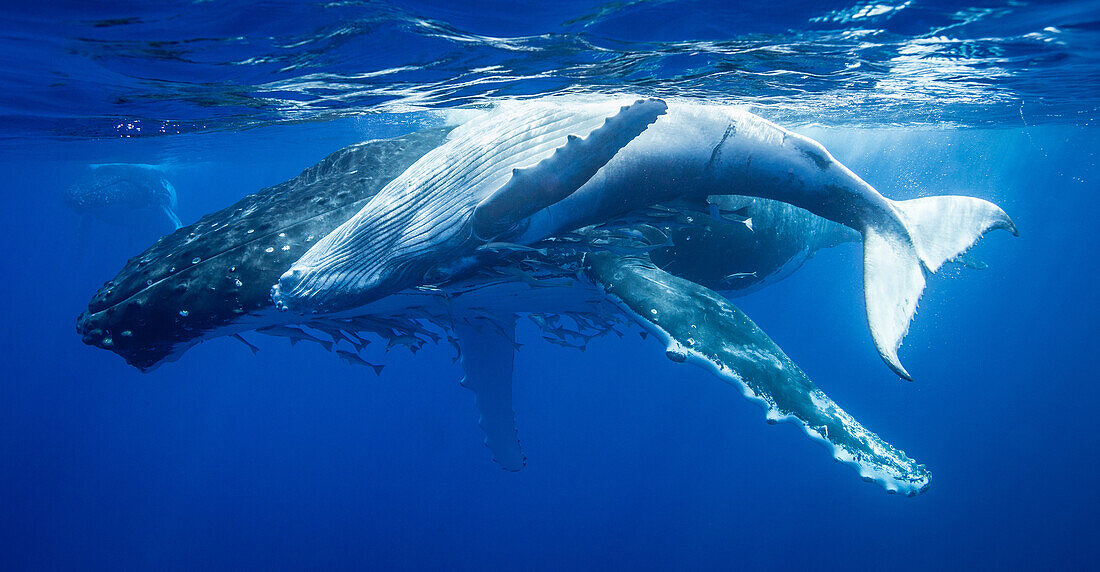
[(293, 459)]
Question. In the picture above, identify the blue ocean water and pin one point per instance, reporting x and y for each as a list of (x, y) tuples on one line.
[(296, 460)]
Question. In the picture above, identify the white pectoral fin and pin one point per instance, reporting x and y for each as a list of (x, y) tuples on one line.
[(488, 351), (700, 326), (566, 170)]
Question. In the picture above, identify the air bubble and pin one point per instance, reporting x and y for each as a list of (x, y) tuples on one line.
[(250, 231), (269, 249), (184, 313), (196, 260)]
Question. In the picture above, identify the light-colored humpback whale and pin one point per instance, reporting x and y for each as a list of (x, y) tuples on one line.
[(535, 169)]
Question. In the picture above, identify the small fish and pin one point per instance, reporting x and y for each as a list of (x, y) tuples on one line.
[(565, 344), (739, 275), (245, 342), (354, 359), (458, 349), (408, 340), (586, 321), (531, 280), (336, 331), (295, 335), (539, 321), (584, 338), (968, 261), (510, 246)]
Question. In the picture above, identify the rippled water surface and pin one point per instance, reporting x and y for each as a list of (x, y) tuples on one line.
[(136, 68)]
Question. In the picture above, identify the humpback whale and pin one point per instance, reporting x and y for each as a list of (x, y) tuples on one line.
[(530, 170), (669, 267), (119, 193)]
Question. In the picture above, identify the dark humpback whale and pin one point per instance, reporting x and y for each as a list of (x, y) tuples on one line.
[(215, 275)]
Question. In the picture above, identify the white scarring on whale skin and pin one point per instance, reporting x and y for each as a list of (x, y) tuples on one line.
[(692, 150)]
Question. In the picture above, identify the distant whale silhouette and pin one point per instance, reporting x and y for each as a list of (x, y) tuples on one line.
[(125, 195)]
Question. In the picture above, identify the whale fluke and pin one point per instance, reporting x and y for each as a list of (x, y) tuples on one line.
[(933, 230)]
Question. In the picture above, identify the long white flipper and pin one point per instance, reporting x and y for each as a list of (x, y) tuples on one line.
[(701, 326)]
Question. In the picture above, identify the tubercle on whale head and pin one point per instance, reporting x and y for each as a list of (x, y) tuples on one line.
[(290, 293), (116, 334)]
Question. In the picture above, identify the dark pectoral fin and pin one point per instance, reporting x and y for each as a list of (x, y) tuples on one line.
[(700, 325), (488, 351), (558, 176)]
